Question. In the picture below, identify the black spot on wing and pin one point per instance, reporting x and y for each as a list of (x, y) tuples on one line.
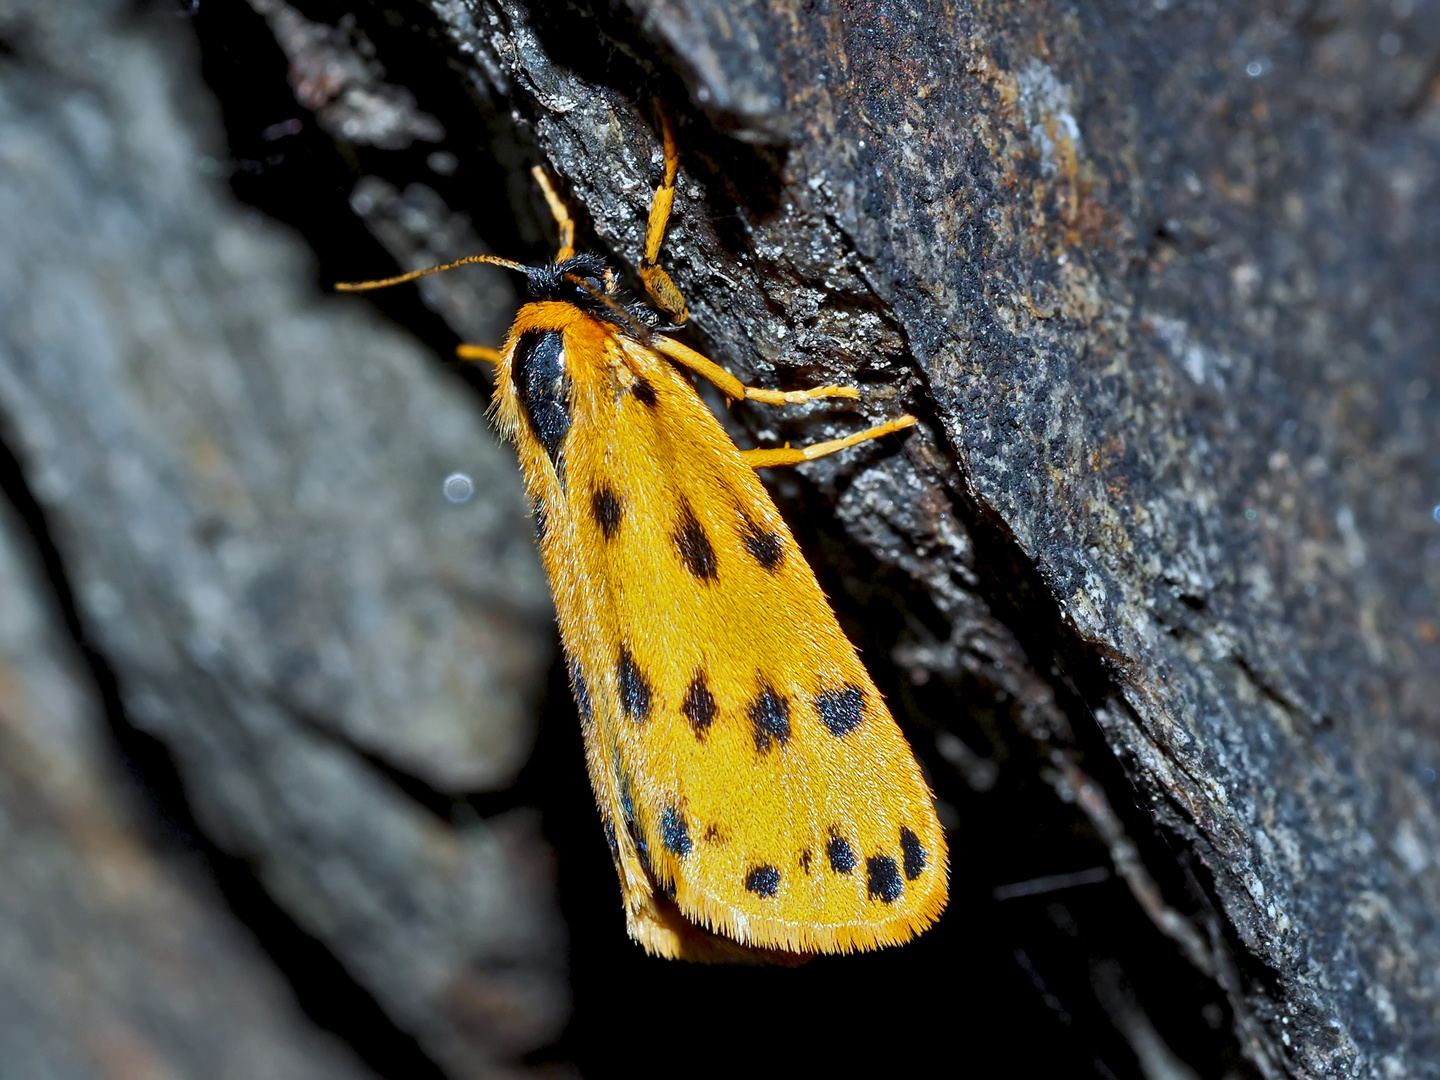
[(644, 393), (840, 854), (694, 545), (915, 855), (770, 718), (634, 688), (764, 546), (674, 832), (806, 858), (763, 881), (699, 705), (611, 840), (841, 710), (607, 508), (882, 879), (713, 835), (537, 370)]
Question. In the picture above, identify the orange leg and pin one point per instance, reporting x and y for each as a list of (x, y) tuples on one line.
[(794, 455), (483, 353), (733, 388), (657, 282), (561, 214)]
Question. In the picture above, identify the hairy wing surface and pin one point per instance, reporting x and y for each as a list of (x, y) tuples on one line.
[(744, 760)]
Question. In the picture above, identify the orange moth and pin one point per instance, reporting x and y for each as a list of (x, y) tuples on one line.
[(758, 799)]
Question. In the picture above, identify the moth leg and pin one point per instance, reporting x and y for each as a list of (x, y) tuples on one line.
[(483, 353), (733, 388), (794, 455), (561, 214), (657, 282), (796, 397)]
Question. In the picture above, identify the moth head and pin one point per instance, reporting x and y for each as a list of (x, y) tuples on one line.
[(583, 280), (591, 284)]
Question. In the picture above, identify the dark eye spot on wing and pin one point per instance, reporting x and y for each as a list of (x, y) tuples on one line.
[(644, 393), (699, 705), (764, 546), (770, 717), (608, 510), (581, 690), (537, 516), (841, 710), (694, 545), (763, 881), (634, 688), (537, 370), (674, 833), (840, 854), (915, 855), (806, 858), (882, 879)]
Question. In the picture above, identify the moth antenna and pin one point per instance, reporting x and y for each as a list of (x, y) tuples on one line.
[(400, 279)]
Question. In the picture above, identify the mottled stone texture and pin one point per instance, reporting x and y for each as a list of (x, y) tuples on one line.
[(1161, 278), (242, 480), (114, 959)]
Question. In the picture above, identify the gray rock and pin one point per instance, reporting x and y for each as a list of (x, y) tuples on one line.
[(245, 480), (114, 959)]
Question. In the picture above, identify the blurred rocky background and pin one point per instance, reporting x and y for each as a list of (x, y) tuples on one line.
[(245, 573), (290, 783)]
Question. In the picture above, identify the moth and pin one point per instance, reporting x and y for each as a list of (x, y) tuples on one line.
[(757, 797)]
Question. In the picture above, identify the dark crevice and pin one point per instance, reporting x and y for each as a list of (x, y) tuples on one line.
[(449, 807), (610, 973), (304, 178), (1269, 691), (1027, 832), (1081, 678), (1019, 830)]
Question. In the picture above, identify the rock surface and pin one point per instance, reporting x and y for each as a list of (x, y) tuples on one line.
[(115, 960), (247, 485), (1159, 279), (1162, 280)]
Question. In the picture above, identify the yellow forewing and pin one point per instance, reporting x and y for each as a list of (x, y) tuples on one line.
[(750, 776)]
